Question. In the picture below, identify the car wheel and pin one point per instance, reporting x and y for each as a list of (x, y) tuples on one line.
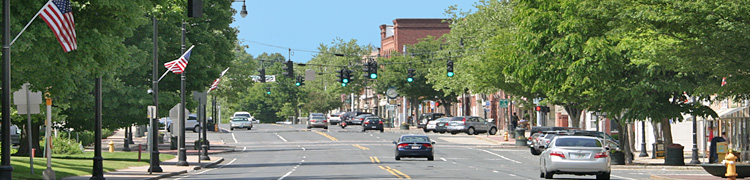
[(425, 130), (534, 152), (398, 158), (249, 129), (442, 132), (231, 129), (548, 175), (342, 127), (381, 130), (325, 127), (431, 158), (363, 130), (197, 129), (453, 133), (604, 176), (309, 127), (541, 174), (471, 131), (493, 131)]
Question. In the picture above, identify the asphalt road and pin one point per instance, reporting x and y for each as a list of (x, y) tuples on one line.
[(271, 151)]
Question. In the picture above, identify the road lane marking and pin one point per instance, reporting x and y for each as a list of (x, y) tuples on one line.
[(244, 148), (326, 135), (235, 139), (282, 138), (501, 156), (444, 159), (390, 171), (399, 172), (620, 177), (374, 159), (222, 166), (293, 169), (360, 147)]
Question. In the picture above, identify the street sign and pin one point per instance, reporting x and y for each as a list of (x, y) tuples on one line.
[(503, 103), (200, 97), (151, 112), (174, 114), (20, 100)]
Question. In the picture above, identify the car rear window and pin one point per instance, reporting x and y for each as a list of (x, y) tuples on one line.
[(457, 119), (239, 119), (578, 142), (415, 139), (318, 117)]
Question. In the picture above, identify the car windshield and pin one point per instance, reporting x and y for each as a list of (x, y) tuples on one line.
[(579, 142), (239, 119), (373, 119), (242, 115), (415, 139), (443, 119), (318, 117)]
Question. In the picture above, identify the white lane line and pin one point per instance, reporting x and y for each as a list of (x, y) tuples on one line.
[(293, 169), (282, 138), (222, 166), (443, 159), (235, 139), (244, 148), (620, 177), (501, 156)]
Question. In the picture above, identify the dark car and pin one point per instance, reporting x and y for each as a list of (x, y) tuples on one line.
[(359, 119), (538, 129), (372, 123), (427, 117), (347, 117), (414, 146)]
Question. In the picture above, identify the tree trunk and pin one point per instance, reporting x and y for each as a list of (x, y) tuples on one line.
[(666, 130), (631, 130), (23, 149), (575, 116), (624, 140)]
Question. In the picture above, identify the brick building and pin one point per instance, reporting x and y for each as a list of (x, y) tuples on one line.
[(409, 31)]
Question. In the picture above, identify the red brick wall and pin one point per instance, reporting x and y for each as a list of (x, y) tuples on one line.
[(409, 31)]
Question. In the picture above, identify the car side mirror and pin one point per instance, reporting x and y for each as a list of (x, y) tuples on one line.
[(606, 148), (433, 142), (394, 142)]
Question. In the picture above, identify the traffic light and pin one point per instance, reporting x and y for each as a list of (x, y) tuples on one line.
[(262, 75), (450, 68), (268, 90), (373, 70), (195, 8), (289, 68), (341, 75), (300, 81), (538, 108), (347, 76), (367, 69), (542, 108), (410, 75)]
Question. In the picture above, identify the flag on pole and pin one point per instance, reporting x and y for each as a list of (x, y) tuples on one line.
[(723, 81), (177, 66), (59, 17), (215, 84)]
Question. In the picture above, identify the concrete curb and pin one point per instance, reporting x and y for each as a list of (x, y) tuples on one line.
[(186, 171)]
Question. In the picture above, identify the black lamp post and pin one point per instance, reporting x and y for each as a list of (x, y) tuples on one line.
[(643, 140)]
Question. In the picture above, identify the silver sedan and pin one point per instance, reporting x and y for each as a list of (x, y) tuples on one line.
[(578, 155)]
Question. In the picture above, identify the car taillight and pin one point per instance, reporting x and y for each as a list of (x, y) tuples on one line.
[(601, 155), (402, 145), (312, 120), (547, 141), (325, 120), (367, 122), (427, 145), (380, 122), (557, 153)]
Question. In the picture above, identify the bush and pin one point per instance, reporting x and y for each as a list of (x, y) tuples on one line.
[(66, 146), (87, 137)]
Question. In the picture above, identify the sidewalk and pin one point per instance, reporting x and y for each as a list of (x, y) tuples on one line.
[(169, 167)]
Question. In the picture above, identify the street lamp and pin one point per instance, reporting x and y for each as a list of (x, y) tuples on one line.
[(243, 12), (643, 139)]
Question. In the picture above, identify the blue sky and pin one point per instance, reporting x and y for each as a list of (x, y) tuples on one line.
[(304, 24)]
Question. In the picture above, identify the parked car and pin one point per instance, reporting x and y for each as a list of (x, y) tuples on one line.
[(192, 123), (334, 118), (359, 119), (372, 123), (578, 155), (542, 139), (425, 118), (15, 135), (471, 125), (538, 129), (240, 122), (415, 146), (608, 140), (432, 125), (165, 123), (317, 121), (348, 116)]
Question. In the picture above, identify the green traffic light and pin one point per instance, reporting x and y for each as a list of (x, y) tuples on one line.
[(345, 81), (373, 76), (343, 84), (450, 74), (298, 84), (268, 92), (410, 79)]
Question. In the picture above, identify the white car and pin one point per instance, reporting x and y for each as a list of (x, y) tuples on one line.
[(578, 155), (240, 122), (334, 118)]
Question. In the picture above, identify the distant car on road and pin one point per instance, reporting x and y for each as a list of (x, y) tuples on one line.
[(372, 123), (427, 117), (243, 114), (348, 116), (317, 121), (414, 146), (334, 118), (359, 119), (578, 155), (241, 122), (471, 125)]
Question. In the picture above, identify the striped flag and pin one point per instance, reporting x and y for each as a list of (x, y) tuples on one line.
[(59, 17), (178, 66), (215, 84), (723, 81)]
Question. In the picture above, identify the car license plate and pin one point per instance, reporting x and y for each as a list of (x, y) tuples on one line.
[(374, 126), (415, 147), (577, 155)]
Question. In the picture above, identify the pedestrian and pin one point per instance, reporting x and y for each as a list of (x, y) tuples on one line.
[(513, 122)]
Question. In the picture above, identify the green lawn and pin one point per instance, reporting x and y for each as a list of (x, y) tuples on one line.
[(80, 164)]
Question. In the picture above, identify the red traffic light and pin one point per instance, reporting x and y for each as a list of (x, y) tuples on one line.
[(538, 108)]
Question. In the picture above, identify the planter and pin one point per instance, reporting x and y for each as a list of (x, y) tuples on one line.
[(617, 158), (674, 155), (718, 170)]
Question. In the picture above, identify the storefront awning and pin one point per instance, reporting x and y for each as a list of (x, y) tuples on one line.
[(733, 113)]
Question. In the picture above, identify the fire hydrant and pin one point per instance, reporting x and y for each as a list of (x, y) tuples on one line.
[(731, 167), (505, 136), (111, 146)]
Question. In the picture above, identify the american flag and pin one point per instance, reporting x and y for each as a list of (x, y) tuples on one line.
[(59, 17), (177, 66), (215, 84), (723, 81)]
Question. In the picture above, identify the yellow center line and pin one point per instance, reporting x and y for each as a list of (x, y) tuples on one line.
[(360, 147), (374, 159), (399, 172), (390, 171), (326, 135)]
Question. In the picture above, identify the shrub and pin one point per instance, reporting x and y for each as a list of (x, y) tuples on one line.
[(87, 137), (66, 146)]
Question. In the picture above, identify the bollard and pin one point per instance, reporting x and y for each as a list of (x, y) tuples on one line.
[(139, 152), (111, 146), (731, 167), (505, 136), (33, 151)]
